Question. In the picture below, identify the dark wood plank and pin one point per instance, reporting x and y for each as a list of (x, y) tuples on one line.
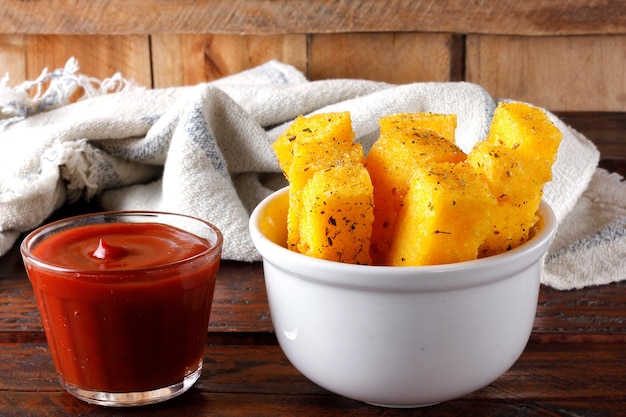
[(239, 380), (592, 314), (240, 309), (533, 17), (194, 403), (239, 305), (240, 300), (607, 130)]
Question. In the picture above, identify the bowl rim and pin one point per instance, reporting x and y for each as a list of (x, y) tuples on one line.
[(393, 278)]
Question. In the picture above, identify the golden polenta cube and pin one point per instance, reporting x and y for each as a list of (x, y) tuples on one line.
[(516, 180), (440, 125), (319, 127), (308, 158), (390, 163), (309, 144), (525, 128), (511, 224), (312, 156), (515, 161), (337, 215), (445, 216), (510, 175)]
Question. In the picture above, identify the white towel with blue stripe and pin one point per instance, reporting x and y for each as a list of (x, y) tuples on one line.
[(205, 151)]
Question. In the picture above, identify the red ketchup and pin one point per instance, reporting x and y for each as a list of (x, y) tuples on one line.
[(123, 312)]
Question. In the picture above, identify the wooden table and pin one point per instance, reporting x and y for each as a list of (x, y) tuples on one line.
[(574, 363)]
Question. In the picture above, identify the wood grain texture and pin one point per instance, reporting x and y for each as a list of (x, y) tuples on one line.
[(13, 58), (240, 306), (565, 56), (538, 374), (558, 73), (99, 56), (199, 404), (533, 17), (584, 73), (239, 303), (391, 57), (191, 59), (607, 130), (252, 380)]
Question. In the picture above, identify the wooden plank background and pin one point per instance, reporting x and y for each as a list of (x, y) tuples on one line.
[(510, 17), (565, 56)]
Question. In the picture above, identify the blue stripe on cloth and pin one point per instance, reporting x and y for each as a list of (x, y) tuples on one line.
[(610, 233), (197, 128)]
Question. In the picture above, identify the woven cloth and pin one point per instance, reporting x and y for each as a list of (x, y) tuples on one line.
[(205, 151)]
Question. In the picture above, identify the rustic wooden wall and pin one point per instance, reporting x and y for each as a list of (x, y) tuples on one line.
[(565, 56)]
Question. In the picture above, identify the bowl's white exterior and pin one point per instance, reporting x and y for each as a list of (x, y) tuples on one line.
[(401, 336)]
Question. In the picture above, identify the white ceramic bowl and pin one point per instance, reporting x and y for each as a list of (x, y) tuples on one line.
[(399, 336)]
